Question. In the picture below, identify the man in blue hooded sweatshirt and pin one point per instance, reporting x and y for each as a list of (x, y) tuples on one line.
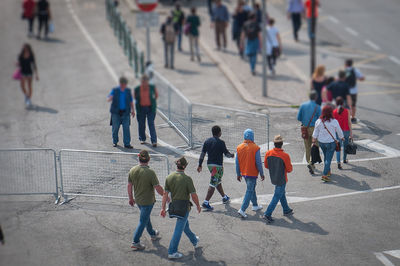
[(249, 166)]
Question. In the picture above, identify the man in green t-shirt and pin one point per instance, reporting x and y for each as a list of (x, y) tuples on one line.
[(144, 181), (181, 188)]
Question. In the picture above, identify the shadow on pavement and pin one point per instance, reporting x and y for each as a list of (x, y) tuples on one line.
[(347, 182), (292, 52), (186, 72), (294, 223), (197, 258), (38, 108), (53, 40), (363, 170), (377, 111), (282, 77), (208, 64)]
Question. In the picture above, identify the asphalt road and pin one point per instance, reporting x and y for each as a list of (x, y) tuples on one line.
[(345, 222)]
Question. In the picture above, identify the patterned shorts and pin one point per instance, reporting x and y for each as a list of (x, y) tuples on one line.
[(216, 174)]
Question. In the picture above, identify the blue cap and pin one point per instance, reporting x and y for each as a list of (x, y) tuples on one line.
[(249, 134)]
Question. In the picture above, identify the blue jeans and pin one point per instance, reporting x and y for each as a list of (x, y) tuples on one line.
[(253, 61), (279, 195), (180, 37), (144, 221), (328, 149), (146, 112), (182, 225), (343, 144), (116, 121), (250, 193)]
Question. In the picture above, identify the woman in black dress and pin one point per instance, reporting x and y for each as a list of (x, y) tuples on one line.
[(26, 62)]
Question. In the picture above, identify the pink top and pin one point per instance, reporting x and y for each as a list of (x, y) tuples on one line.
[(342, 118)]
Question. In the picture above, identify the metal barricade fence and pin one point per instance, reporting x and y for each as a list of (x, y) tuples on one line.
[(174, 107), (28, 172), (233, 123), (102, 174)]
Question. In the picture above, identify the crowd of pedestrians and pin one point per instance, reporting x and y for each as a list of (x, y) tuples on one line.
[(179, 187)]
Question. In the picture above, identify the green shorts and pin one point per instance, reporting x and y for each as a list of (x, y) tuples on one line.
[(216, 174)]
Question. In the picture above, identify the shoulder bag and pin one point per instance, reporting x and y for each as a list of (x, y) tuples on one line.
[(178, 208), (337, 148), (304, 129), (351, 148)]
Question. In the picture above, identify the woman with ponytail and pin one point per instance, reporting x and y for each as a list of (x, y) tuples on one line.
[(342, 115)]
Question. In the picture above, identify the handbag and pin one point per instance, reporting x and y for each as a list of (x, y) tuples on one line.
[(337, 148), (351, 148), (17, 74), (178, 208), (186, 29), (276, 51), (304, 130)]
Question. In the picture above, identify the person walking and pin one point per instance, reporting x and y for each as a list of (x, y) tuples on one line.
[(249, 166), (210, 6), (342, 115), (295, 11), (193, 22), (273, 44), (239, 18), (27, 66), (44, 15), (341, 88), (251, 35), (215, 148), (28, 7), (146, 108), (178, 18), (220, 20), (121, 106), (181, 188), (352, 75), (308, 113), (318, 82), (325, 131), (279, 164), (143, 181), (308, 9), (168, 32)]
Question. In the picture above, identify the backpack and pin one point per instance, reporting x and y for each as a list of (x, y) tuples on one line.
[(351, 78), (252, 30), (169, 33)]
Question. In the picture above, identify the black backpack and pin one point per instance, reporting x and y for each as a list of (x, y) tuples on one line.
[(351, 78), (252, 30)]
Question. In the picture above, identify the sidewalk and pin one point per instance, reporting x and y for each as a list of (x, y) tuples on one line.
[(233, 80)]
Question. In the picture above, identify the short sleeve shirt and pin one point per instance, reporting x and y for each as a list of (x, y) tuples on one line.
[(143, 180), (180, 185), (339, 88), (122, 100)]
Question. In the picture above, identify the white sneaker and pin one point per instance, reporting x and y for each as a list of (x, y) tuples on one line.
[(242, 213), (257, 208), (156, 236), (174, 256), (197, 243)]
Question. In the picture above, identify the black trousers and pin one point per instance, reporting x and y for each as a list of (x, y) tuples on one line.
[(296, 21), (30, 24), (43, 22)]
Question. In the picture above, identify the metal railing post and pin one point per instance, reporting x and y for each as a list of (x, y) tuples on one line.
[(190, 135), (136, 59), (55, 175), (141, 63), (169, 103)]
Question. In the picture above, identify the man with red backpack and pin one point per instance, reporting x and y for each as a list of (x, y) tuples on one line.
[(168, 31)]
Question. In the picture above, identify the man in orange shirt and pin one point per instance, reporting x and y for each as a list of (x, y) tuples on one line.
[(308, 7), (278, 163), (249, 165), (146, 107)]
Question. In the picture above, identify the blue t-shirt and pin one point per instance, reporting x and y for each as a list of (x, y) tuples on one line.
[(122, 101)]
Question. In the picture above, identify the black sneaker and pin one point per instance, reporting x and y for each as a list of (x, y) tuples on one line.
[(226, 199), (354, 120), (288, 213), (346, 161), (268, 218), (339, 166), (115, 144), (128, 147), (310, 169)]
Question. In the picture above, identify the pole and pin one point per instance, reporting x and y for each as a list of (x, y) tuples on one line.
[(264, 50), (148, 42), (312, 37)]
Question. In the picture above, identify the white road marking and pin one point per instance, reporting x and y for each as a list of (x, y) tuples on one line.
[(372, 45), (96, 48), (383, 259), (393, 253), (267, 197), (378, 147), (394, 59), (333, 19), (351, 31)]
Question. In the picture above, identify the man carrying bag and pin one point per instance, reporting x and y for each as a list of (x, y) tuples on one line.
[(308, 113), (181, 188)]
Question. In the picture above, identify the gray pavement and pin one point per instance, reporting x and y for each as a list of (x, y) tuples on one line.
[(344, 222)]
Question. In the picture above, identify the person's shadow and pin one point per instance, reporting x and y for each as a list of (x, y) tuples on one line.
[(296, 224), (38, 108)]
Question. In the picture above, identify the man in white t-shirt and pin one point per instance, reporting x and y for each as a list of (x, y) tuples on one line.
[(352, 75), (273, 44)]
